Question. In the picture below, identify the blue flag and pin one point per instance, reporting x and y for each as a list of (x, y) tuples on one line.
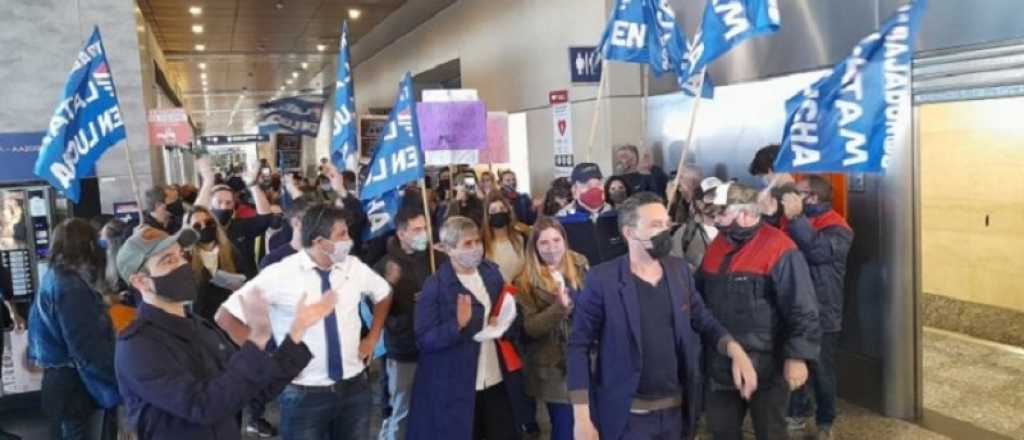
[(726, 24), (86, 123), (380, 214), (397, 158), (297, 114), (343, 136), (646, 32), (848, 120)]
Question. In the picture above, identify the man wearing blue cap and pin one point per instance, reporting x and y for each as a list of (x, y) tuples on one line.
[(589, 222)]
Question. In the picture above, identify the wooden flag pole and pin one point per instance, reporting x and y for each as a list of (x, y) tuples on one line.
[(597, 106), (134, 180), (430, 232), (644, 85), (691, 138)]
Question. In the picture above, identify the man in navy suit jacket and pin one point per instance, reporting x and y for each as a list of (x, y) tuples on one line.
[(643, 316)]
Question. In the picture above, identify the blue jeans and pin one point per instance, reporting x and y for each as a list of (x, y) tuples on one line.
[(561, 421), (823, 382), (400, 376), (314, 413)]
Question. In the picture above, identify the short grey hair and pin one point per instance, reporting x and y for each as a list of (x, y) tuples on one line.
[(629, 209), (454, 228)]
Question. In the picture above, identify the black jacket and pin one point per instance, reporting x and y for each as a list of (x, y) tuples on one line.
[(825, 241), (399, 335), (597, 238), (761, 291), (182, 378)]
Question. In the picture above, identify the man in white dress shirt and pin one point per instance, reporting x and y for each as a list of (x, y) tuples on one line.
[(331, 397)]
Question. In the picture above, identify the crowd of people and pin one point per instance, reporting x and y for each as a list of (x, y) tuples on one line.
[(626, 307)]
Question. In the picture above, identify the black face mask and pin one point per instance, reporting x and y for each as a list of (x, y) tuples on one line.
[(816, 209), (208, 234), (661, 245), (176, 209), (499, 220), (177, 286), (223, 215), (739, 234)]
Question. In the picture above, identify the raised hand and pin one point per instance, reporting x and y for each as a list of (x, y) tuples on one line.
[(464, 310), (308, 314)]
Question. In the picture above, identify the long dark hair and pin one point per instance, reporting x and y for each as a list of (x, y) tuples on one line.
[(75, 249)]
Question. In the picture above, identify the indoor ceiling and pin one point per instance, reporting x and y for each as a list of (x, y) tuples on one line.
[(225, 57)]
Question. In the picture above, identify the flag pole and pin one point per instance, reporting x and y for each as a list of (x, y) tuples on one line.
[(644, 85), (131, 176), (691, 138), (426, 215), (597, 106)]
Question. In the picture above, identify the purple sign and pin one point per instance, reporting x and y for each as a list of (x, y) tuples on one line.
[(452, 125)]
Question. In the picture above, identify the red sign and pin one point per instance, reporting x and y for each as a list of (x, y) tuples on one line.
[(558, 97), (169, 126)]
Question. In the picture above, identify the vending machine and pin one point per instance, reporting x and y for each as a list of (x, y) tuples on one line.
[(29, 210)]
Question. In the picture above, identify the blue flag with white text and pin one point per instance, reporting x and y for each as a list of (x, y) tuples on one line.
[(726, 24), (380, 214), (343, 135), (86, 123), (646, 32), (397, 158), (296, 114), (848, 120)]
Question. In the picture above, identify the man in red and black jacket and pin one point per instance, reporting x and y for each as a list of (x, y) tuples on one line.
[(824, 238), (756, 282)]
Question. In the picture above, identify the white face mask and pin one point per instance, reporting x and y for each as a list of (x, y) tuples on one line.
[(469, 258), (341, 250)]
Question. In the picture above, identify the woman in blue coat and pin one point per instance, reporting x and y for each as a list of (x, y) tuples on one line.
[(462, 388), (71, 336)]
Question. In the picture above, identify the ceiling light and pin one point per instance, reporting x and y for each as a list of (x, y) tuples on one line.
[(197, 29), (295, 74), (289, 82), (279, 5), (354, 13), (321, 47), (202, 66), (195, 10), (204, 83), (304, 65), (200, 47), (282, 88), (203, 75)]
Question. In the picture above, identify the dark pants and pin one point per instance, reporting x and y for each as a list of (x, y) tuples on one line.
[(317, 413), (493, 418), (823, 381), (562, 421), (726, 410), (665, 424), (72, 412)]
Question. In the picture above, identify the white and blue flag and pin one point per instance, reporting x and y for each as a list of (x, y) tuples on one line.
[(397, 158), (726, 24), (848, 120), (86, 123), (296, 114), (646, 32), (343, 135), (380, 213)]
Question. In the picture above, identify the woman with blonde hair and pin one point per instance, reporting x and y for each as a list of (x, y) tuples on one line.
[(216, 263), (547, 289), (504, 237)]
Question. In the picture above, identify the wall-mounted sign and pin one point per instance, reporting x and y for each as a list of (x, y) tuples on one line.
[(234, 139), (584, 65), (561, 113), (168, 126)]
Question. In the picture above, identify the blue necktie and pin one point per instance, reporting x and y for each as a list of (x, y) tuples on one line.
[(334, 364)]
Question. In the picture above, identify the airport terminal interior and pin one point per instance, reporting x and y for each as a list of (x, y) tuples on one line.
[(219, 126)]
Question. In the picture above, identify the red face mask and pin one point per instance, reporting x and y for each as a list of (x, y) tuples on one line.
[(593, 198)]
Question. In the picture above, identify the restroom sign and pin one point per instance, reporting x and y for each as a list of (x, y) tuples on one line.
[(584, 64)]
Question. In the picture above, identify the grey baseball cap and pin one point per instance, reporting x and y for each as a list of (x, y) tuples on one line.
[(146, 242)]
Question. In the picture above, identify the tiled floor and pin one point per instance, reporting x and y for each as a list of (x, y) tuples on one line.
[(971, 380), (975, 381)]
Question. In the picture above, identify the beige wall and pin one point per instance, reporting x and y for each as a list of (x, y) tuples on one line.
[(514, 52), (972, 166)]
